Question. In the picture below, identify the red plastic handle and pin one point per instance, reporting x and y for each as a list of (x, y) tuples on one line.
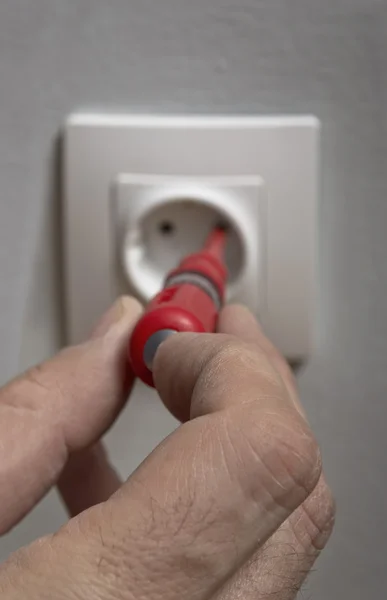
[(184, 307)]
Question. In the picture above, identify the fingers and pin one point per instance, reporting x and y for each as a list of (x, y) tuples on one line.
[(87, 477), (206, 498), (281, 566), (59, 408), (180, 527), (279, 569), (204, 501)]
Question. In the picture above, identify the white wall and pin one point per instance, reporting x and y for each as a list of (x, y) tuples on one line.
[(327, 57)]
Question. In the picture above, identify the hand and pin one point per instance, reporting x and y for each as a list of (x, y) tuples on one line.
[(232, 505)]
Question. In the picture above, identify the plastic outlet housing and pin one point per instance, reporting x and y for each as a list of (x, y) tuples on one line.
[(141, 190)]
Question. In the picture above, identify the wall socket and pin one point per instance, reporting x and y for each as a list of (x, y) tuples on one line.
[(142, 191), (162, 219)]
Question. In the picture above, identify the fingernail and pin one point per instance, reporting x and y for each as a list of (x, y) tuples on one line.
[(125, 310)]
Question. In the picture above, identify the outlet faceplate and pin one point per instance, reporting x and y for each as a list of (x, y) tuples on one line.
[(106, 155)]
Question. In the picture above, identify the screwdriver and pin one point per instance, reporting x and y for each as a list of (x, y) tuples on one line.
[(190, 301)]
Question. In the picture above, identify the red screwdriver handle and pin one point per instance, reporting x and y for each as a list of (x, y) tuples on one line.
[(190, 302)]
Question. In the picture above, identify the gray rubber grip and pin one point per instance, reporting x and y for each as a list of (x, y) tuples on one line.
[(153, 343)]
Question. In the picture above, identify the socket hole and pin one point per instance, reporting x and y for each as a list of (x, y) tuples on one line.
[(178, 228), (166, 228)]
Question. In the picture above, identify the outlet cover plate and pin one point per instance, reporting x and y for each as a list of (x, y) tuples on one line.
[(281, 150)]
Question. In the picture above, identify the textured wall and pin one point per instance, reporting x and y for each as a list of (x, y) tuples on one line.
[(327, 57)]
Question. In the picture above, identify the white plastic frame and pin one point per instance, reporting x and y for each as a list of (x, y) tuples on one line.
[(283, 151)]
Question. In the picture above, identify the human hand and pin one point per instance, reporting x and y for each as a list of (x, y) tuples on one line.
[(231, 505)]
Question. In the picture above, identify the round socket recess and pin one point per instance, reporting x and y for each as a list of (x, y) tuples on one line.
[(180, 227), (174, 220)]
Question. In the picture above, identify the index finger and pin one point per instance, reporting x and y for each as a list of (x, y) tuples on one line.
[(57, 408)]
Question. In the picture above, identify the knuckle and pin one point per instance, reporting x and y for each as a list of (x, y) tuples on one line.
[(42, 378), (234, 357), (33, 390), (236, 372), (314, 521), (277, 452), (37, 377), (294, 450)]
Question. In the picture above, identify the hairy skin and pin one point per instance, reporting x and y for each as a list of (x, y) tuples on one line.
[(233, 505)]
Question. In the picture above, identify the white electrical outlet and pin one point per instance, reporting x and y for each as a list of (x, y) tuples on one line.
[(142, 191), (162, 219)]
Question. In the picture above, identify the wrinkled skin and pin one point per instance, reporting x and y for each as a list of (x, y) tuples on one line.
[(233, 505)]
